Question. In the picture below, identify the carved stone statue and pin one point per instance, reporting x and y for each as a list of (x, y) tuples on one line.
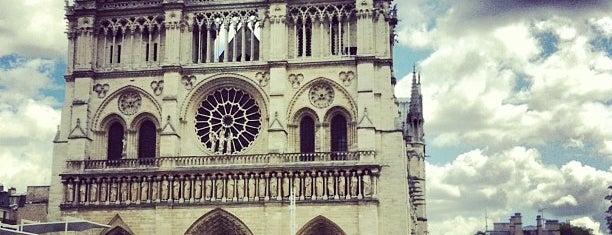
[(164, 189), (154, 190), (319, 185), (144, 190), (354, 185), (240, 187), (82, 192), (330, 185), (176, 189), (124, 191), (93, 192), (341, 185), (103, 191), (212, 136), (307, 185), (113, 191), (367, 185), (230, 187), (134, 191), (198, 188), (187, 189), (219, 187), (273, 186), (221, 136), (69, 192), (262, 185), (208, 188), (286, 184), (251, 187), (228, 142)]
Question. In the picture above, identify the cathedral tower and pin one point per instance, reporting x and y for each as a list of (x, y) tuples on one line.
[(237, 117)]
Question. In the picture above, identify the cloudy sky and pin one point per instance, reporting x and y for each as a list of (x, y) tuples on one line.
[(517, 96)]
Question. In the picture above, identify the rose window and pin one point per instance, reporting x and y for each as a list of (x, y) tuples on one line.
[(227, 121), (129, 103)]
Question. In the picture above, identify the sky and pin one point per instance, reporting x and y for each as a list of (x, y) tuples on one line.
[(517, 103)]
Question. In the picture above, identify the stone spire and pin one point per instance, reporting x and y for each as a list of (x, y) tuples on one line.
[(415, 111)]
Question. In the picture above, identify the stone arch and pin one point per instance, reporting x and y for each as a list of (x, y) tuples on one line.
[(105, 110), (213, 84), (320, 225), (118, 227), (296, 128), (218, 221), (350, 132), (342, 99)]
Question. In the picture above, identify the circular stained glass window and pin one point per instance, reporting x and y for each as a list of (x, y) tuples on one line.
[(227, 121)]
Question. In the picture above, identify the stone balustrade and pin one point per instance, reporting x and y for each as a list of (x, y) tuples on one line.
[(221, 160), (356, 182)]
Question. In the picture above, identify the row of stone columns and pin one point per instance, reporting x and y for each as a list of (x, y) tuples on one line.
[(223, 187), (211, 38)]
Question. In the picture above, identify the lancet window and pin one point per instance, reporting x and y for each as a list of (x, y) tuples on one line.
[(147, 140), (225, 37), (339, 140), (132, 42), (322, 30), (307, 135), (116, 140)]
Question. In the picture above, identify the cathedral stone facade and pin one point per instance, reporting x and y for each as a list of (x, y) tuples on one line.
[(237, 117)]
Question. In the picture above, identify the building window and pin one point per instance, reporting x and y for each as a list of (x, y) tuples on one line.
[(225, 38), (147, 140), (307, 135), (116, 136), (339, 134), (304, 37)]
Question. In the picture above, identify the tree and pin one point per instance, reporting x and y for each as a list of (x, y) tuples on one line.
[(480, 233), (569, 229), (609, 211)]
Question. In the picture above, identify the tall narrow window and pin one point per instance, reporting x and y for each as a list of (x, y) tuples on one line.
[(115, 141), (118, 54), (304, 37), (111, 54), (147, 53), (147, 140), (339, 141), (307, 135), (154, 51)]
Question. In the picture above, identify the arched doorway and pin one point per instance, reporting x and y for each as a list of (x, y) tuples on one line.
[(147, 140), (218, 222), (321, 226), (118, 231), (115, 141)]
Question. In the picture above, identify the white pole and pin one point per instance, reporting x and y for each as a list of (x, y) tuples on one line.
[(292, 208)]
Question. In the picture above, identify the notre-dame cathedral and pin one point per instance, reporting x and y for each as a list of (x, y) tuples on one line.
[(237, 117)]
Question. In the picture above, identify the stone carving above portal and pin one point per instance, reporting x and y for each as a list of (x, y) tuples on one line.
[(321, 95), (188, 81), (228, 121), (346, 77), (157, 86), (296, 80), (263, 78), (101, 89), (129, 102)]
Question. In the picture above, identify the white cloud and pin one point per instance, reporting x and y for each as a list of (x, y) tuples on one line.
[(27, 122), (510, 180), (32, 28)]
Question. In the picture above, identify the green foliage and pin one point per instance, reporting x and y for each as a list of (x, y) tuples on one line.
[(480, 233), (566, 228)]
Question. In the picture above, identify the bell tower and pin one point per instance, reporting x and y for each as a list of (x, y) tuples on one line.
[(237, 117)]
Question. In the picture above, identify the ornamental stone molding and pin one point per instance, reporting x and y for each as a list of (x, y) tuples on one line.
[(321, 95), (101, 89), (228, 121), (296, 80), (263, 78), (346, 77), (158, 87), (129, 102), (188, 81)]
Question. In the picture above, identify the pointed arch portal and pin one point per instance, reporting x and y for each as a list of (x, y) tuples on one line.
[(321, 226), (218, 222)]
